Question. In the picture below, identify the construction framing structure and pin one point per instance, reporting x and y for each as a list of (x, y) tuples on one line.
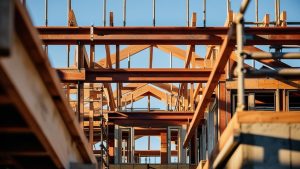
[(220, 111)]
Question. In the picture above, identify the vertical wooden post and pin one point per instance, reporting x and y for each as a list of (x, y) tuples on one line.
[(92, 55), (277, 100), (131, 102), (148, 103), (128, 61), (108, 59), (266, 20), (283, 19), (228, 106), (163, 147), (222, 106), (284, 100), (111, 19), (151, 57), (192, 103), (68, 46), (251, 101), (91, 125), (167, 102), (118, 84), (80, 92), (186, 97), (80, 103), (117, 56), (91, 111)]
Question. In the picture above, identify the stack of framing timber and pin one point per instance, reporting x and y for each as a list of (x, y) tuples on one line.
[(38, 128)]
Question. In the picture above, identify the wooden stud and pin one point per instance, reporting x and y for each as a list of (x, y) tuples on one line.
[(266, 20), (91, 125), (283, 19), (163, 147), (192, 103), (111, 19), (277, 100), (92, 56), (148, 103), (222, 106), (284, 100), (228, 106), (151, 57), (108, 63)]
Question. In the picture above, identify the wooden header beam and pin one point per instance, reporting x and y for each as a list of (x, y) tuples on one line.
[(165, 35), (136, 75), (262, 83), (153, 115)]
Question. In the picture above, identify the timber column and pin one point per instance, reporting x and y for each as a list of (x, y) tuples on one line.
[(163, 147)]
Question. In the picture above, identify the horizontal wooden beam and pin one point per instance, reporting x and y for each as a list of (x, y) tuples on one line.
[(263, 83), (165, 35), (154, 115), (149, 123), (163, 30), (137, 75)]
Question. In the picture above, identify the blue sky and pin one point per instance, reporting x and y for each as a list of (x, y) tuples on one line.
[(139, 13)]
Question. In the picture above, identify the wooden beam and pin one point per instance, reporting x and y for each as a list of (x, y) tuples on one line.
[(192, 100), (30, 41), (189, 54), (92, 55), (221, 96), (262, 83), (73, 23), (163, 147), (224, 54), (166, 35), (136, 75), (108, 63), (111, 19), (196, 92), (151, 57)]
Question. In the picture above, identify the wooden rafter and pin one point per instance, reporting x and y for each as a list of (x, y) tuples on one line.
[(224, 54)]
